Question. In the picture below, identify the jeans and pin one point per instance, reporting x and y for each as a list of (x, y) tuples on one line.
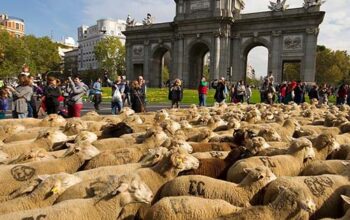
[(116, 105), (202, 100), (22, 115), (97, 101)]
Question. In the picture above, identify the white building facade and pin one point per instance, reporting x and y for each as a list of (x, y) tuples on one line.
[(250, 72), (88, 37)]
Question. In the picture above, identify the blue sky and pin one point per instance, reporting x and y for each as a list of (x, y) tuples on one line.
[(62, 17)]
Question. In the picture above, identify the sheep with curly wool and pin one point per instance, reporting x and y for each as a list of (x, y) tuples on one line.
[(299, 151), (186, 207), (110, 198), (244, 194), (289, 204), (15, 176), (325, 191), (40, 192)]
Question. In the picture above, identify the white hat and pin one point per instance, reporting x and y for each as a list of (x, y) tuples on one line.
[(25, 73)]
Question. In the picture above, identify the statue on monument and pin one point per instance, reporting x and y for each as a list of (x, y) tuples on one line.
[(278, 6), (311, 3), (148, 20), (130, 22)]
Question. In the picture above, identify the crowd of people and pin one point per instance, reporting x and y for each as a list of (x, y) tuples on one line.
[(29, 99), (66, 98)]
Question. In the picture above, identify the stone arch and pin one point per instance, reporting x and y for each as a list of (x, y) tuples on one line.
[(197, 51), (158, 54), (249, 45)]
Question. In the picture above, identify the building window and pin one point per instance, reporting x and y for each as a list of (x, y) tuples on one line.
[(17, 26)]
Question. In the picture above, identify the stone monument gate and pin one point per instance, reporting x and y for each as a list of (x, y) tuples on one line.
[(218, 27)]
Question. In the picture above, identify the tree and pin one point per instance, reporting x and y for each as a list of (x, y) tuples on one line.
[(110, 53), (332, 66), (165, 74), (291, 71)]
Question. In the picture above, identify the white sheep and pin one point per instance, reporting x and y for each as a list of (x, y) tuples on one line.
[(40, 192), (110, 198), (320, 167), (186, 207), (299, 151), (242, 195)]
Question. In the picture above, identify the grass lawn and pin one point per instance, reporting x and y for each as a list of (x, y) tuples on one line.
[(160, 96)]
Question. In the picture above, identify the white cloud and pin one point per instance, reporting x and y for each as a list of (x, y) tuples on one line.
[(335, 30)]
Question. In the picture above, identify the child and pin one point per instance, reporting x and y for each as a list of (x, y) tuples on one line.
[(3, 103)]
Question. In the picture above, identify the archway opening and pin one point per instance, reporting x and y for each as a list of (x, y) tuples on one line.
[(161, 67), (257, 64), (199, 64), (291, 70)]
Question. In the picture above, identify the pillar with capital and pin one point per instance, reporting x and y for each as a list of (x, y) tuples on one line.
[(309, 72)]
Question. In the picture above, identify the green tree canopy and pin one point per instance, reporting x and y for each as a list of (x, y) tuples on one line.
[(110, 53)]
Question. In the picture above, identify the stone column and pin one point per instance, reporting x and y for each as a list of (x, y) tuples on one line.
[(309, 71), (180, 53), (237, 57), (129, 67), (216, 57), (275, 61), (147, 60)]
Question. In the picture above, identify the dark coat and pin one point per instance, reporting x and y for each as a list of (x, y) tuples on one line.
[(137, 100), (176, 93), (220, 92)]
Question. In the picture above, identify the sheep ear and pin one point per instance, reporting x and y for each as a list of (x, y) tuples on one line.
[(345, 163), (176, 160), (43, 177), (28, 188), (282, 189), (247, 170), (346, 199)]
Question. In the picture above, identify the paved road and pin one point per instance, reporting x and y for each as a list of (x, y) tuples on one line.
[(105, 108)]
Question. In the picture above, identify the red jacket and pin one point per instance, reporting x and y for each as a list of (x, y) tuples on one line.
[(203, 89)]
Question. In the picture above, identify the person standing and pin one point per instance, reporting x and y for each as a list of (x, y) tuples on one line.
[(118, 88), (282, 92), (126, 99), (342, 94), (248, 94), (97, 94), (240, 91), (176, 93), (137, 97), (4, 103), (271, 94), (313, 93), (323, 93), (203, 92), (76, 91), (298, 91), (142, 84), (263, 91), (220, 91), (51, 93), (21, 96)]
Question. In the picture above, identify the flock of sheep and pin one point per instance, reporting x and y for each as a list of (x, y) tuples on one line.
[(223, 162)]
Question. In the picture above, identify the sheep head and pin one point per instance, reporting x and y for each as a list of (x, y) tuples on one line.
[(129, 188), (54, 184), (85, 136), (170, 126), (182, 161), (181, 144), (185, 124), (256, 144), (3, 157), (53, 120), (34, 155), (326, 141), (161, 116), (262, 174), (52, 135), (126, 112), (74, 126), (84, 150), (153, 156), (294, 199), (302, 145), (269, 134), (14, 129)]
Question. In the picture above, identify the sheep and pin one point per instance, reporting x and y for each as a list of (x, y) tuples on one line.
[(241, 195), (40, 192), (82, 190), (310, 130), (23, 135), (115, 130), (74, 126), (289, 204), (324, 144), (45, 140), (217, 168), (343, 138), (299, 151), (38, 154), (205, 147), (211, 154), (14, 176), (91, 116), (318, 167), (269, 134), (347, 214), (342, 154), (53, 120), (186, 207), (3, 157), (110, 198), (325, 190)]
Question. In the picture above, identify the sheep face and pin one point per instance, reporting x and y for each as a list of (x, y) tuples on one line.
[(183, 161), (83, 149), (296, 198), (73, 127), (270, 135), (58, 183), (127, 111), (161, 115), (154, 156), (170, 126), (305, 145), (85, 136), (327, 141), (261, 173), (53, 120), (140, 192), (256, 144), (185, 125), (3, 156), (54, 136), (183, 145)]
